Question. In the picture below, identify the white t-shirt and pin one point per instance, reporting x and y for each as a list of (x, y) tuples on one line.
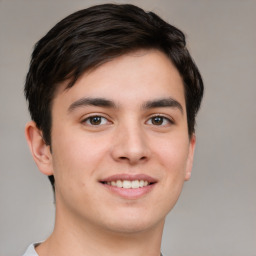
[(32, 252)]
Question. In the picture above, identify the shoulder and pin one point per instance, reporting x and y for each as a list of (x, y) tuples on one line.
[(31, 251)]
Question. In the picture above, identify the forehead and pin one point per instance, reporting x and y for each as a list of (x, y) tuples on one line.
[(136, 75)]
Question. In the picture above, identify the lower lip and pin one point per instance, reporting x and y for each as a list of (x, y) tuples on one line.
[(130, 193)]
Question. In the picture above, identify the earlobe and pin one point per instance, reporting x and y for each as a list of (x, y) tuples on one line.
[(190, 159), (38, 148)]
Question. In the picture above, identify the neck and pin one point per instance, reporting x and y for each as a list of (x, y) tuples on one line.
[(73, 237)]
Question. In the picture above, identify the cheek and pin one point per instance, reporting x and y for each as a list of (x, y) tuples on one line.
[(75, 163), (173, 155), (174, 152), (76, 156)]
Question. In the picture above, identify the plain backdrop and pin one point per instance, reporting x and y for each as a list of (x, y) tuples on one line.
[(216, 213)]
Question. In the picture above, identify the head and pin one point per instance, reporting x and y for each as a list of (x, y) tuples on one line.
[(89, 38)]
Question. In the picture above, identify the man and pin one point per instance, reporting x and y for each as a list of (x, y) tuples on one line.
[(113, 94)]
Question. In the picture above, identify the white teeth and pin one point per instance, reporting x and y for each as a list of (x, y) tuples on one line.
[(128, 183), (135, 184), (141, 183), (119, 183)]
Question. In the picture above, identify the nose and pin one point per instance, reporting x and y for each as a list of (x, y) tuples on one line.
[(130, 145)]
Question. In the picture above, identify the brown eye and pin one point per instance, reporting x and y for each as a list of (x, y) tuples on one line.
[(95, 120), (157, 120)]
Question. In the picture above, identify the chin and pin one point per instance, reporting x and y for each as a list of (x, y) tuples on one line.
[(130, 223), (130, 228)]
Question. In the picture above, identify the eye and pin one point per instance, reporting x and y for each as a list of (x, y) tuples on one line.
[(95, 120), (159, 121)]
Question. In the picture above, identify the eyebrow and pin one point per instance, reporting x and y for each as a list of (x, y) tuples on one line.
[(165, 102), (102, 102), (98, 102)]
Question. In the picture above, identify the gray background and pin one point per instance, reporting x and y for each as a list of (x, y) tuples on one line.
[(216, 214)]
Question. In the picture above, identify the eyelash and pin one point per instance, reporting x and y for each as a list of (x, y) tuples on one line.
[(89, 119), (163, 119)]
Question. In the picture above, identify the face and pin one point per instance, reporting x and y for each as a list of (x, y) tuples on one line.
[(120, 145)]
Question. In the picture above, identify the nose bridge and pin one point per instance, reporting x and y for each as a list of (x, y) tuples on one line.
[(130, 142)]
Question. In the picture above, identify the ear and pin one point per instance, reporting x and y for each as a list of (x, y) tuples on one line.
[(39, 150), (191, 151)]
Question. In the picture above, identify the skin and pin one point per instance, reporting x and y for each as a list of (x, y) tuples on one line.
[(126, 139)]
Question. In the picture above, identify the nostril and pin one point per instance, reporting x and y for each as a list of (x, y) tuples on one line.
[(127, 158)]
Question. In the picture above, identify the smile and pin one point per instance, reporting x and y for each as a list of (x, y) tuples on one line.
[(128, 184)]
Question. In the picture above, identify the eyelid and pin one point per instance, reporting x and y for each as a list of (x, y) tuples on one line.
[(88, 116), (168, 118)]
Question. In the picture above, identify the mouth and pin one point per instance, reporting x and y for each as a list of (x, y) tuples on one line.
[(128, 184)]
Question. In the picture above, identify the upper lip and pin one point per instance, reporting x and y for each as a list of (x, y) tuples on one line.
[(129, 177)]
